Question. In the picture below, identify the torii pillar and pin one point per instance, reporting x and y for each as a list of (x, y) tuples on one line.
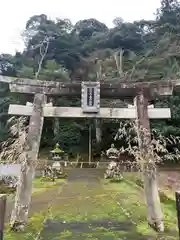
[(24, 189), (148, 166)]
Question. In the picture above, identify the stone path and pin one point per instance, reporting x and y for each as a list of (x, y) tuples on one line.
[(85, 208), (39, 202), (80, 199), (42, 200)]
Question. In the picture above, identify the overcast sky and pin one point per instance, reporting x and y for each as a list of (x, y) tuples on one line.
[(15, 13)]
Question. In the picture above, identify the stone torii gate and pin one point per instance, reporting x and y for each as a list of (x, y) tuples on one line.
[(90, 108), (40, 108), (141, 93)]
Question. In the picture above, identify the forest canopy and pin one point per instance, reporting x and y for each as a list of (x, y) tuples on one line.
[(150, 51)]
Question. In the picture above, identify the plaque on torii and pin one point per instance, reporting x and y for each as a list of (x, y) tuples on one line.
[(90, 97)]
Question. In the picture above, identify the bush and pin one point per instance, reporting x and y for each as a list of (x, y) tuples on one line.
[(5, 189), (116, 180), (139, 182)]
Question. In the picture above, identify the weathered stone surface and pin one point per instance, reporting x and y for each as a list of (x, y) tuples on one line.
[(3, 198), (108, 89), (148, 163), (75, 112), (24, 189)]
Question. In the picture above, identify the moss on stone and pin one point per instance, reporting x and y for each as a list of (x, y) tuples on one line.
[(100, 203)]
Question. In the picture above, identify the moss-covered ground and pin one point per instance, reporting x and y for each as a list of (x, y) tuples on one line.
[(41, 185), (88, 207), (42, 194)]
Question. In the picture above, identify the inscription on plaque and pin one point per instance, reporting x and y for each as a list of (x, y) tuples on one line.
[(90, 97)]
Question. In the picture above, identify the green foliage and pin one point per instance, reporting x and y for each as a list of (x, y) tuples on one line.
[(151, 52), (6, 190), (52, 71), (26, 72), (70, 135)]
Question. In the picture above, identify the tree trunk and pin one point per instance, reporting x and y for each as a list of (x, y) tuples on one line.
[(119, 61), (98, 131), (121, 73), (56, 128), (90, 143), (155, 217), (20, 212)]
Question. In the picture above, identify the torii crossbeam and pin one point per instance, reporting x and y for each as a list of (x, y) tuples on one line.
[(75, 112), (120, 90)]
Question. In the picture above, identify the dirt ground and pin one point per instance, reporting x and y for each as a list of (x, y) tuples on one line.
[(169, 180)]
